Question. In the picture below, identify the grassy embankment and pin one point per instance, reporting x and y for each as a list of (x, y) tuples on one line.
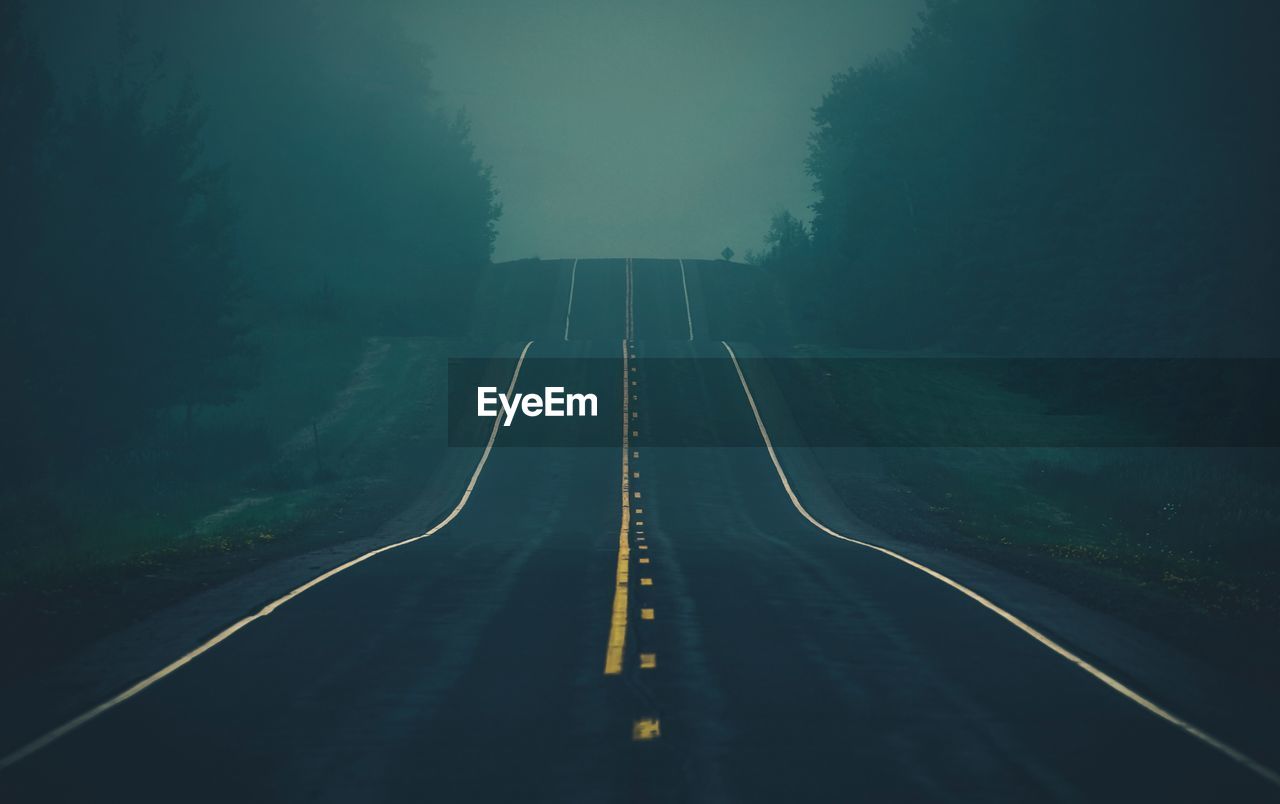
[(1180, 541), (336, 437)]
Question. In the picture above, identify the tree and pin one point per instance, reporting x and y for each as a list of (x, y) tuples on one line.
[(989, 190), (727, 254), (352, 180), (27, 123), (786, 242), (140, 284)]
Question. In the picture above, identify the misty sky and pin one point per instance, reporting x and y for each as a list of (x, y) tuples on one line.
[(654, 128)]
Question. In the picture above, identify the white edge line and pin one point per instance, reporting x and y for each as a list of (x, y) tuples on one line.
[(573, 278), (1116, 685), (687, 314), (78, 721)]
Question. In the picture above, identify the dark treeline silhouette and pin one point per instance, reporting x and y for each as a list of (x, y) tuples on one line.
[(1085, 178), (150, 221), (355, 190), (121, 284)]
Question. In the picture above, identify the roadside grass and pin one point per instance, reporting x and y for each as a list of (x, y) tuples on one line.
[(1182, 541), (1189, 524), (146, 494), (333, 441)]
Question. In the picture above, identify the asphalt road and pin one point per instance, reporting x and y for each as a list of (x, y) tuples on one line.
[(759, 658)]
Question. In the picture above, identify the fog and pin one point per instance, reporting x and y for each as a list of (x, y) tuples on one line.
[(657, 128), (1004, 279)]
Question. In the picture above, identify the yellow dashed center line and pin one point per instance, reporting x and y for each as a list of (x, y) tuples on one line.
[(631, 316), (646, 729), (618, 620)]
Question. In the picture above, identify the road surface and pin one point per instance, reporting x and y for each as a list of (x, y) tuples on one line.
[(650, 623)]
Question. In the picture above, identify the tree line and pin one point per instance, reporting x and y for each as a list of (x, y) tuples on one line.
[(139, 249), (1047, 177)]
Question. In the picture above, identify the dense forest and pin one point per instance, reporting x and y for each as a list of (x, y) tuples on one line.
[(1084, 178), (1064, 179), (151, 219)]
